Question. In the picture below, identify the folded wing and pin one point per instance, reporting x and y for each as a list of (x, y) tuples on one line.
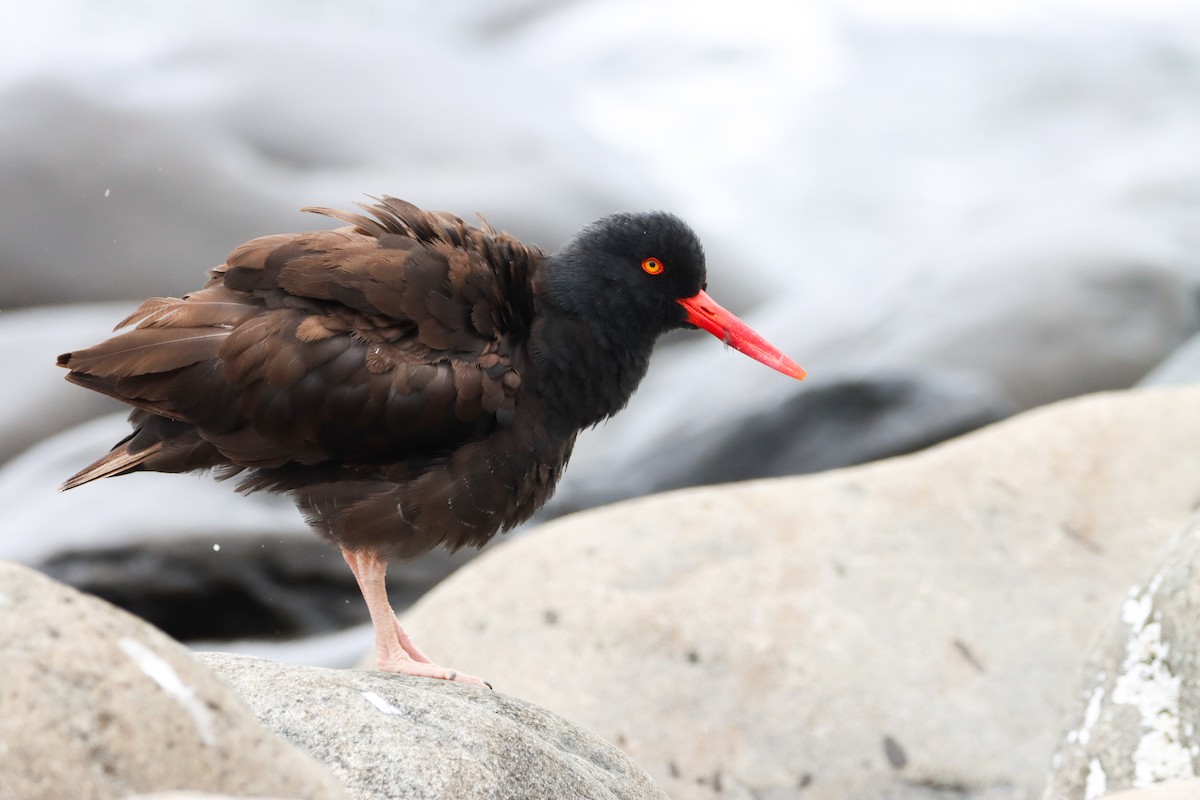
[(394, 338)]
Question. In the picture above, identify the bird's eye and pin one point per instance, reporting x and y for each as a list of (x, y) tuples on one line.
[(652, 266)]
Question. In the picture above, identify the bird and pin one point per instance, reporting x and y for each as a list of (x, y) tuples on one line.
[(409, 379)]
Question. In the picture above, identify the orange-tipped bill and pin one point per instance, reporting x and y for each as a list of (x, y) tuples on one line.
[(704, 312)]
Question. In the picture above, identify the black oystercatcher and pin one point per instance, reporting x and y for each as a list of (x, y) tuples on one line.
[(410, 380)]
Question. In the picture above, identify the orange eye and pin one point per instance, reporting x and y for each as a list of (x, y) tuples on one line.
[(652, 266)]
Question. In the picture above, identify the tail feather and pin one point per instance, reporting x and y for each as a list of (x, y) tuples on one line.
[(117, 461), (110, 387)]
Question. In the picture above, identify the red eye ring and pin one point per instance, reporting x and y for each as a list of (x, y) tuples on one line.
[(652, 266)]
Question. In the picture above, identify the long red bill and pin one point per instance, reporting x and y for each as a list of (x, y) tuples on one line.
[(706, 313)]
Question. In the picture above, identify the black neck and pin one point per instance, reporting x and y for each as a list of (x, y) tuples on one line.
[(590, 358)]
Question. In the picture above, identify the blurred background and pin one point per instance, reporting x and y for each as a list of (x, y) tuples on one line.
[(947, 212)]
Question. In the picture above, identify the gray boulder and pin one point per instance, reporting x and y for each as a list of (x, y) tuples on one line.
[(907, 629), (97, 704), (1048, 303), (1140, 707), (391, 736)]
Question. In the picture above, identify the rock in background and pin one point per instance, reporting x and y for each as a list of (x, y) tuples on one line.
[(1141, 704), (96, 704), (907, 629)]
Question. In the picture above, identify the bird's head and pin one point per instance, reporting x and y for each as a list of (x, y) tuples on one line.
[(645, 273)]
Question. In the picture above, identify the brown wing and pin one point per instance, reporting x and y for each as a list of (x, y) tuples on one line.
[(394, 338)]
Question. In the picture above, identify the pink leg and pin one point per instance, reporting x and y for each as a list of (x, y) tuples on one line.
[(396, 651)]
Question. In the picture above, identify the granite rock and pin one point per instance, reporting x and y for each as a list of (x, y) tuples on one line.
[(392, 736)]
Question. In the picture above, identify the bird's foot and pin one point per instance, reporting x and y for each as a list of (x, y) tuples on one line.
[(424, 669), (394, 648)]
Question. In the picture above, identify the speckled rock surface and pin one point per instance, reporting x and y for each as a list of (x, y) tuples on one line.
[(392, 736), (907, 629), (96, 704), (1140, 705)]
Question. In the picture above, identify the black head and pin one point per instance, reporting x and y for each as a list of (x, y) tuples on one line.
[(629, 270), (608, 295)]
